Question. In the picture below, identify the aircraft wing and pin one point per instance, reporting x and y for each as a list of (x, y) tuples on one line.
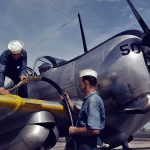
[(25, 119), (16, 103)]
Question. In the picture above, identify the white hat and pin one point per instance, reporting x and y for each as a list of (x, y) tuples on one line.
[(88, 72), (15, 46)]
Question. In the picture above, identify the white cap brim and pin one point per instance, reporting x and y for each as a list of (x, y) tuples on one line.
[(15, 46), (88, 72)]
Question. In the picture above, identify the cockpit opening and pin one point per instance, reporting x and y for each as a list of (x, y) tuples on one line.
[(46, 63)]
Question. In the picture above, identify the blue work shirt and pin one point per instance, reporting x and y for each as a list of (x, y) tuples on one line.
[(92, 113), (11, 67)]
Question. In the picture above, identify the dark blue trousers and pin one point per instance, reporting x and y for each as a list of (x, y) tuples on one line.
[(86, 142)]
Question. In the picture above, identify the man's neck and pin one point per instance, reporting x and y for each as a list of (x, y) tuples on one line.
[(90, 91)]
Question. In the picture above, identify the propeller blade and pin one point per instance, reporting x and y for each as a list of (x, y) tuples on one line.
[(139, 19), (136, 110), (133, 111)]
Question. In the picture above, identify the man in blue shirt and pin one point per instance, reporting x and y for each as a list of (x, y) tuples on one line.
[(91, 117), (13, 63)]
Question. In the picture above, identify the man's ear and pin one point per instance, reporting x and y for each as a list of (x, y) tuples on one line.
[(86, 81)]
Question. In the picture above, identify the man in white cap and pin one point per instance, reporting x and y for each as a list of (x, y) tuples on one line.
[(13, 63), (91, 117)]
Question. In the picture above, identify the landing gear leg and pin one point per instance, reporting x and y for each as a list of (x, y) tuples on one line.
[(125, 146)]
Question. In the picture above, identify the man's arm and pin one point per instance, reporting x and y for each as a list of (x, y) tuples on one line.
[(83, 131), (24, 64), (2, 77), (3, 61)]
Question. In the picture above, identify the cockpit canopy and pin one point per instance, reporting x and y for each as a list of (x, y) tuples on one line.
[(49, 62)]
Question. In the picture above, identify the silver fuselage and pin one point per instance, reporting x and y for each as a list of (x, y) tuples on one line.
[(123, 79)]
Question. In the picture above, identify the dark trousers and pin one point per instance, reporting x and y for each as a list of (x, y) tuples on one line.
[(86, 147), (86, 142), (81, 143)]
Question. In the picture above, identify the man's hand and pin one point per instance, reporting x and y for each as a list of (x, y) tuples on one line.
[(24, 78), (65, 95), (71, 104), (3, 91), (72, 130)]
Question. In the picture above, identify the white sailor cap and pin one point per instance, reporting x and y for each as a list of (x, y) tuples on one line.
[(88, 72), (15, 46)]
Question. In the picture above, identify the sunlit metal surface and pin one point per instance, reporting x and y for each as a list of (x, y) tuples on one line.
[(133, 56), (121, 81), (148, 96)]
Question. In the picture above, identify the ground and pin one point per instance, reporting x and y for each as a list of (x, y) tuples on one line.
[(141, 142)]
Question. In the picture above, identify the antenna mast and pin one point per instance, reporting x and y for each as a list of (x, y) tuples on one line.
[(82, 34)]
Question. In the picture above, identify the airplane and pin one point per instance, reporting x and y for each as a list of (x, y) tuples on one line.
[(123, 66)]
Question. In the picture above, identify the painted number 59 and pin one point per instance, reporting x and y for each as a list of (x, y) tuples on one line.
[(126, 49)]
